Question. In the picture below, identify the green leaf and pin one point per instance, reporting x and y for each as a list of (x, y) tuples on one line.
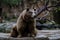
[(11, 2)]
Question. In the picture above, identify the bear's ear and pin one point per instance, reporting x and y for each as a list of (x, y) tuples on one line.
[(27, 9)]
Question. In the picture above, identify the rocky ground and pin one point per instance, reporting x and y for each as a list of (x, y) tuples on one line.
[(51, 34)]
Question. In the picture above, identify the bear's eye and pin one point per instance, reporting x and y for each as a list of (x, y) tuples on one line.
[(27, 9)]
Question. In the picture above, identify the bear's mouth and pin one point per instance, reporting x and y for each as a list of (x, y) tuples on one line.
[(28, 19)]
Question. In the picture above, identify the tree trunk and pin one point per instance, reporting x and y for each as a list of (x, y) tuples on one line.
[(56, 17), (1, 15)]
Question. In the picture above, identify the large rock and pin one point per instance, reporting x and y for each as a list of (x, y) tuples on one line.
[(41, 35), (5, 36), (26, 38)]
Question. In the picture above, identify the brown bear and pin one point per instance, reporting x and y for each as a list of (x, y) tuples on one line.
[(25, 26)]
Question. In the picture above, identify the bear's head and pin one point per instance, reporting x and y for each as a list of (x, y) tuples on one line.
[(29, 14)]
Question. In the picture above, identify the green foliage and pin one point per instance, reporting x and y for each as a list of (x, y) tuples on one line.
[(11, 2)]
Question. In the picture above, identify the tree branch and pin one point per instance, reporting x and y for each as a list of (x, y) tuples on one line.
[(45, 8), (54, 6)]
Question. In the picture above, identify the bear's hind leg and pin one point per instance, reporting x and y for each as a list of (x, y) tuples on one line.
[(14, 32)]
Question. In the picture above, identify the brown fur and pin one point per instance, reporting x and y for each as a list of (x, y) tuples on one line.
[(14, 32), (25, 26)]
